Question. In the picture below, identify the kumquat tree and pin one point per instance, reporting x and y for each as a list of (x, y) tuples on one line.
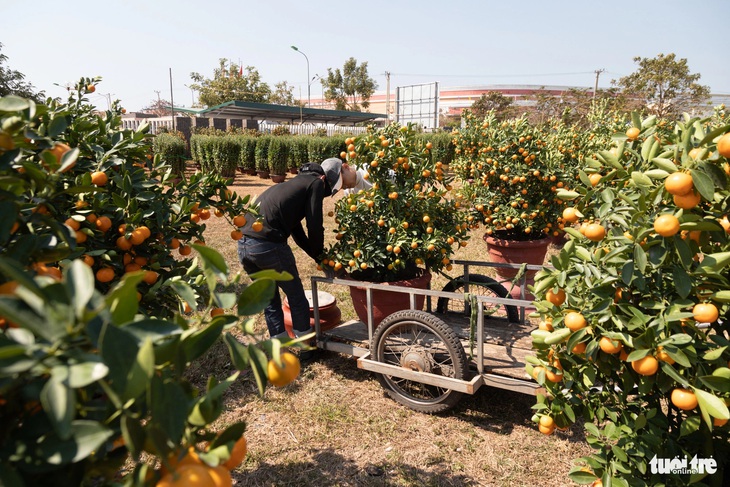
[(96, 287), (634, 332)]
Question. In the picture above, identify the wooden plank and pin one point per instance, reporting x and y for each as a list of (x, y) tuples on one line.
[(466, 386)]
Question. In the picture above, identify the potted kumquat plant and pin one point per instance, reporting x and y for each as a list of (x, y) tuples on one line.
[(405, 226)]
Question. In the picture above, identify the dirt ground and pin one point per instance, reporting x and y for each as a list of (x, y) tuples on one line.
[(335, 426)]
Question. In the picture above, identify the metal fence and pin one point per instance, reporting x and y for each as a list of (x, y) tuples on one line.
[(266, 127)]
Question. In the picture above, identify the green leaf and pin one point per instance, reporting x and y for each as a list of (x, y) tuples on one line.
[(85, 373), (80, 281), (712, 135), (665, 164), (682, 281), (169, 408), (122, 299), (714, 354), (582, 477), (12, 103), (237, 351), (721, 296), (669, 370), (186, 292), (640, 260), (657, 173), (59, 402), (197, 343), (714, 263), (133, 434), (711, 406), (69, 159), (57, 126), (256, 297), (231, 434), (259, 366), (141, 371), (9, 476), (640, 179), (119, 350), (689, 425), (152, 328), (212, 260), (704, 185), (566, 195), (716, 383), (86, 437), (574, 233)]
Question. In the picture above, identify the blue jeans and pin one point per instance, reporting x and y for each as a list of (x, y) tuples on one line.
[(258, 255)]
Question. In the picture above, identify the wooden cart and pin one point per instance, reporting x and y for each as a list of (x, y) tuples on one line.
[(427, 360)]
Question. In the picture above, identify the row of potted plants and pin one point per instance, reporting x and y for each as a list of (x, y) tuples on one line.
[(277, 154)]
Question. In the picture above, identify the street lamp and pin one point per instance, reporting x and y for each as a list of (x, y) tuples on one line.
[(192, 95), (309, 82)]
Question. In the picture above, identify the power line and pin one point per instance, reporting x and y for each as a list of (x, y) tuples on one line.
[(491, 75)]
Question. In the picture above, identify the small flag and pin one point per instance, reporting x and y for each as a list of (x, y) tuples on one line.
[(240, 71)]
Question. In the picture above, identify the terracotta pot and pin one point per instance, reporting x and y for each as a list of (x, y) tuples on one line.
[(386, 303), (293, 170), (278, 178), (263, 174), (329, 314), (250, 172), (516, 252)]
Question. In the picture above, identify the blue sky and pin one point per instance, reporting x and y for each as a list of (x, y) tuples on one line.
[(132, 44)]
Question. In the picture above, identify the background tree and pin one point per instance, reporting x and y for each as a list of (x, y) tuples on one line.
[(12, 82), (350, 88), (230, 82), (665, 86), (493, 100), (283, 95), (159, 107)]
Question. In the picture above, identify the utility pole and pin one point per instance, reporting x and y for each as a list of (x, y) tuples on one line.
[(595, 87), (387, 95), (108, 97), (172, 103)]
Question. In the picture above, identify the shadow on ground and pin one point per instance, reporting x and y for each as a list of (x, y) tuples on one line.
[(328, 468)]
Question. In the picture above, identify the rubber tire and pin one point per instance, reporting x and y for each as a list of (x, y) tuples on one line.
[(435, 326), (495, 287)]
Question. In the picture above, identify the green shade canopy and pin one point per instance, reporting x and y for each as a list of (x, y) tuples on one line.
[(282, 113)]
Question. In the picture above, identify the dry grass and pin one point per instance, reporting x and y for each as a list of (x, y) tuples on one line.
[(335, 426)]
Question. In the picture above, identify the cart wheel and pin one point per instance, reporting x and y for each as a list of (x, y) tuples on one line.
[(481, 285), (419, 341)]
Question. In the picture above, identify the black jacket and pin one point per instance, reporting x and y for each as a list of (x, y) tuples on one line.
[(285, 205)]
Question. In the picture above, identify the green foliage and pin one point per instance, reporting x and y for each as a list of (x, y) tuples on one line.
[(171, 150), (492, 101), (509, 177), (220, 154), (281, 130), (228, 84), (665, 85), (262, 152), (317, 149), (639, 289), (278, 155), (443, 146), (13, 82), (350, 88), (404, 220), (247, 156), (43, 185), (93, 373), (298, 154)]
